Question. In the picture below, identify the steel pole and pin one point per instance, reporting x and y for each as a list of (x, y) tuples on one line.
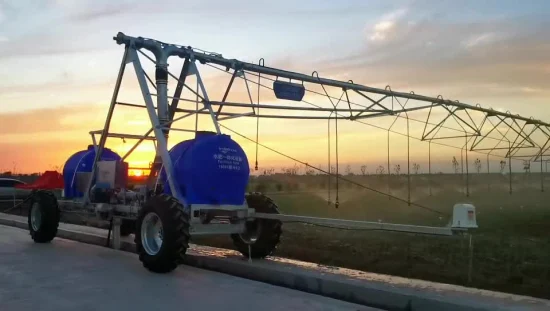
[(510, 166), (430, 166), (329, 167), (462, 166), (541, 173), (389, 186), (104, 134), (467, 171), (488, 175)]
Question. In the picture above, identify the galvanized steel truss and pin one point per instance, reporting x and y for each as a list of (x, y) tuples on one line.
[(444, 121)]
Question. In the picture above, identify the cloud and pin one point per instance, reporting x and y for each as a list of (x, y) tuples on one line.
[(89, 11), (50, 45), (481, 39), (44, 120), (2, 14), (428, 53), (381, 30), (384, 28)]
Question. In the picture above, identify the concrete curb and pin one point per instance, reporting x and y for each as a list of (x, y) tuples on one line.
[(357, 291)]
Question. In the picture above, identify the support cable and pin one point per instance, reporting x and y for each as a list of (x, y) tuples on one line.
[(325, 172)]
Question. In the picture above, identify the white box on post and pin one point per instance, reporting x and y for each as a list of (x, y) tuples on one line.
[(464, 216), (106, 172)]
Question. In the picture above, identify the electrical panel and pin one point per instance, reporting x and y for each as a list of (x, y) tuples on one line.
[(112, 174)]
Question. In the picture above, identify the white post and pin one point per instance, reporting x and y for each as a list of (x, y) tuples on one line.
[(116, 232), (470, 257)]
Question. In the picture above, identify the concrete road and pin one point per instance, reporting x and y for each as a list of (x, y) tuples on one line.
[(67, 275)]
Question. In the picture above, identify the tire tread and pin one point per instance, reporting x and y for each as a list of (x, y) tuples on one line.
[(270, 235), (175, 224), (51, 216)]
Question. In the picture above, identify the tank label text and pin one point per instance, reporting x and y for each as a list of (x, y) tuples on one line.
[(227, 161)]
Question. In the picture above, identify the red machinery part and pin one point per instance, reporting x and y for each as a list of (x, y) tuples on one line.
[(47, 181)]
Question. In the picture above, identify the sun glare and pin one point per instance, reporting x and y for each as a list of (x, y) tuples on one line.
[(136, 172)]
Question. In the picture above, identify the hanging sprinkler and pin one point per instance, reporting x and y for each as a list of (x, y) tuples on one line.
[(261, 62)]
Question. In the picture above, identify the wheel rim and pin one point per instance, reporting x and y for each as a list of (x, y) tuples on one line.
[(251, 233), (36, 216), (151, 234)]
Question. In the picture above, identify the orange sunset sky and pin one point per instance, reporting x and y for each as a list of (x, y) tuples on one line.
[(59, 65)]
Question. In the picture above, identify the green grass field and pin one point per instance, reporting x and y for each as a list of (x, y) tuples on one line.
[(511, 250)]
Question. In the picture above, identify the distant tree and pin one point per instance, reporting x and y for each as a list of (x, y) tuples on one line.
[(348, 170), (527, 166), (502, 166), (397, 169), (291, 170), (295, 170), (380, 170), (416, 167), (363, 170), (477, 164), (455, 165), (309, 170)]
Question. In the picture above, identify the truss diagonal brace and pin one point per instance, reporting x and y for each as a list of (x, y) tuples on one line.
[(486, 135), (437, 125), (520, 133), (374, 103), (226, 93), (516, 147), (453, 113), (179, 89)]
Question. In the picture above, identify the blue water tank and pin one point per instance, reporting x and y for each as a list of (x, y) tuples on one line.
[(210, 169), (82, 161)]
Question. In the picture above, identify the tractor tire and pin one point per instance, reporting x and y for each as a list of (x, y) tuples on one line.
[(262, 235), (43, 217), (162, 234), (127, 227)]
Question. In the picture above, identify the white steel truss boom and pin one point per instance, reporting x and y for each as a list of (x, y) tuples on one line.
[(188, 52)]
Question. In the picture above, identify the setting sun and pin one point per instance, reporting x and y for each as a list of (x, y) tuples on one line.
[(136, 172)]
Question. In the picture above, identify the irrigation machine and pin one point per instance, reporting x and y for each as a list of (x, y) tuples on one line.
[(198, 187)]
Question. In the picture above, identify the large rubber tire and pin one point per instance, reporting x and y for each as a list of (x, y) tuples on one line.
[(267, 231), (127, 227), (45, 204), (175, 234)]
